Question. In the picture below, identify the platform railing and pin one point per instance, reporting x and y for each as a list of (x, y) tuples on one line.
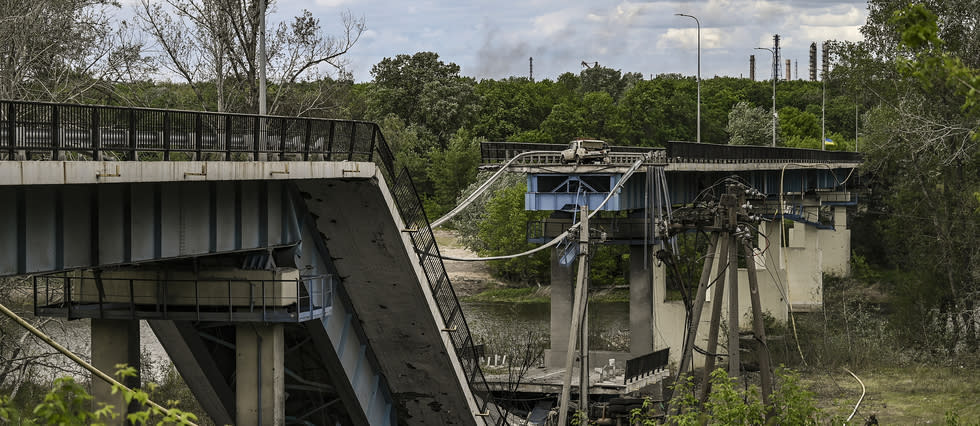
[(77, 295)]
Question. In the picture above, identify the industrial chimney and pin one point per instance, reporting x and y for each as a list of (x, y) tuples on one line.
[(752, 67), (789, 70), (813, 61), (825, 66), (531, 68)]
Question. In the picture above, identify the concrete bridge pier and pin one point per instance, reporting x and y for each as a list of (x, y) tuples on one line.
[(562, 298), (259, 374), (115, 342), (642, 273)]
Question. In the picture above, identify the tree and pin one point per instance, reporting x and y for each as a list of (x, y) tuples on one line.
[(749, 125), (424, 91), (452, 170), (64, 50), (504, 232), (212, 45), (922, 152)]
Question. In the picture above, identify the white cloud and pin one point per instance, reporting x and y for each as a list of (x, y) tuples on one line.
[(687, 38), (333, 3), (845, 33)]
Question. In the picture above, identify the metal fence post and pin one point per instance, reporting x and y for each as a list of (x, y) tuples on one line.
[(198, 135), (306, 139), (353, 141), (96, 137), (374, 136), (11, 130), (56, 153), (133, 156), (228, 137), (330, 140), (166, 136), (256, 139)]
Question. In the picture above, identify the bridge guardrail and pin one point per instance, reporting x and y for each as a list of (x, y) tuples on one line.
[(714, 153), (40, 130), (49, 131), (676, 152)]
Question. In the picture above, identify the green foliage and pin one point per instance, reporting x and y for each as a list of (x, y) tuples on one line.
[(69, 404), (452, 170), (790, 404), (749, 125), (505, 232)]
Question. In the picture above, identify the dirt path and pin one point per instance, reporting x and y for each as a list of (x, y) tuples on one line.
[(468, 278)]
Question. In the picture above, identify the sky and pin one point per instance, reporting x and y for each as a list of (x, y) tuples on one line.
[(494, 39)]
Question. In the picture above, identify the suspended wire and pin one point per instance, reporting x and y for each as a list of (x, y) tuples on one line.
[(473, 196), (626, 176)]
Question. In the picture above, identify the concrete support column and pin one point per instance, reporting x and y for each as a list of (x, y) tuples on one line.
[(115, 342), (562, 297), (259, 374), (641, 300)]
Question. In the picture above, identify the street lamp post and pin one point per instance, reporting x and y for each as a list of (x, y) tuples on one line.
[(773, 92), (699, 70)]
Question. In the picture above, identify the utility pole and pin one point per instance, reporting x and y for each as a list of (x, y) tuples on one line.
[(263, 137), (729, 224), (578, 319)]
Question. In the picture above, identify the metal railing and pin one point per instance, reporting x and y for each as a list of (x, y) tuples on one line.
[(48, 131), (203, 299), (689, 152), (676, 152), (501, 152), (412, 212), (39, 130)]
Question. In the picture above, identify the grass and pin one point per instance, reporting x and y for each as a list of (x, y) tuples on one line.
[(509, 295), (906, 396), (541, 295)]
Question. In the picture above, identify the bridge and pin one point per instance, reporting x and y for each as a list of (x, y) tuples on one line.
[(289, 270), (812, 188), (286, 266)]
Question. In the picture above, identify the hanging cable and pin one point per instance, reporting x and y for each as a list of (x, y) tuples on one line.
[(626, 176), (479, 190)]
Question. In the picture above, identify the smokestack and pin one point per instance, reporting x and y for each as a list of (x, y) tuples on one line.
[(789, 70), (752, 67), (775, 60), (796, 69), (825, 66), (813, 61)]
